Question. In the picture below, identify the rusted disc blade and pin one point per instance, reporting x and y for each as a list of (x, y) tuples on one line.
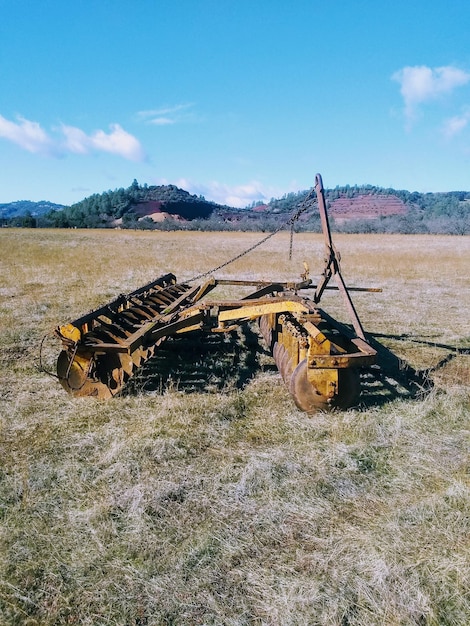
[(73, 378), (310, 400), (71, 374), (145, 353), (265, 330), (142, 312), (277, 348), (285, 367), (151, 310), (110, 372), (282, 359), (116, 380), (137, 357), (94, 389), (126, 364), (306, 397), (130, 316)]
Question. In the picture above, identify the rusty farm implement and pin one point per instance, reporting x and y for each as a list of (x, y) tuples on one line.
[(318, 357)]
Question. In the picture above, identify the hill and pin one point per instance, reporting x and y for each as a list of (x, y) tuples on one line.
[(135, 206), (368, 206), (364, 208), (25, 207)]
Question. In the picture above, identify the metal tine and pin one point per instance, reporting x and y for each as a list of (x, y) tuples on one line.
[(115, 327)]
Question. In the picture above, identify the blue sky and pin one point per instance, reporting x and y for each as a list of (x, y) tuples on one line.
[(237, 100)]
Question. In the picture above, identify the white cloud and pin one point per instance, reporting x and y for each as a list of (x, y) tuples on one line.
[(31, 137), (455, 125), (420, 84), (119, 142), (238, 196), (166, 115), (76, 140), (28, 135)]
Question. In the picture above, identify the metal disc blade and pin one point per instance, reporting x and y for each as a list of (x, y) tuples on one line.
[(310, 400)]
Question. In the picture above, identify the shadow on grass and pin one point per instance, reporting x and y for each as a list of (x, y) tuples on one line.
[(201, 362), (394, 378), (204, 363)]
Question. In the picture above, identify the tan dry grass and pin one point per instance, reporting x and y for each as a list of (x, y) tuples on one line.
[(232, 507)]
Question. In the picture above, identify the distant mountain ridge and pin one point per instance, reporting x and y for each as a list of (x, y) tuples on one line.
[(363, 208), (23, 207)]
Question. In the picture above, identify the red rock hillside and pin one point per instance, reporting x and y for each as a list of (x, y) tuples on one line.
[(366, 207)]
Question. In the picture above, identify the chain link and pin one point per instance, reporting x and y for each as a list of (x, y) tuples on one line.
[(291, 240), (294, 217)]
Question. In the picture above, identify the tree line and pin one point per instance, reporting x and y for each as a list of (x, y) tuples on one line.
[(445, 212)]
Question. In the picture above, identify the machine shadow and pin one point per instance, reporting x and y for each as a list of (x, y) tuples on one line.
[(392, 378), (201, 362), (210, 362)]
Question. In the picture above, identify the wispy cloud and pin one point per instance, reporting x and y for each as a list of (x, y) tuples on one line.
[(166, 115), (163, 121), (456, 124), (420, 84), (68, 139)]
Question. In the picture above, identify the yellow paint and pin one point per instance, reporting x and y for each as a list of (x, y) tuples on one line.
[(257, 310), (69, 331)]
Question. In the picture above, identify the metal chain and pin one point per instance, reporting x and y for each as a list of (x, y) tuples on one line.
[(291, 241), (41, 366), (294, 217)]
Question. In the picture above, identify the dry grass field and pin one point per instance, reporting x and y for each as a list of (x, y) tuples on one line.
[(222, 504)]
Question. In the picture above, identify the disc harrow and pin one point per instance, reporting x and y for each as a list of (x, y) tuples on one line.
[(318, 357)]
